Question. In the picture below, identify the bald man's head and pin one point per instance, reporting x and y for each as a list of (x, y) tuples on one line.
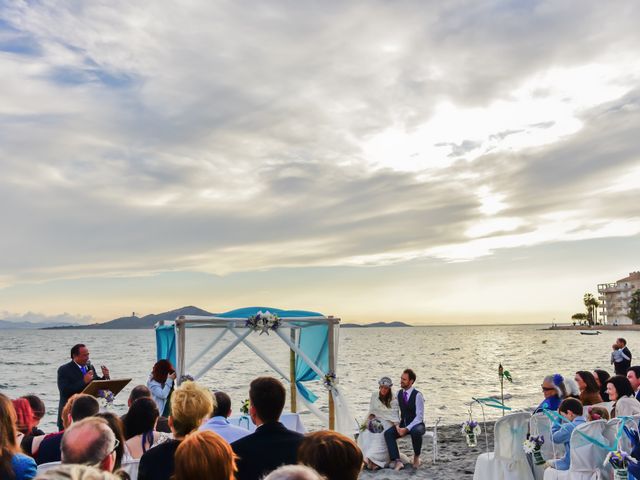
[(89, 442)]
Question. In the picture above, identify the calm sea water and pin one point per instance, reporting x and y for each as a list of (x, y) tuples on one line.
[(453, 364)]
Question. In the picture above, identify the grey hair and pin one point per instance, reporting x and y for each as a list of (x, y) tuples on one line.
[(76, 472), (561, 389), (294, 472), (89, 453)]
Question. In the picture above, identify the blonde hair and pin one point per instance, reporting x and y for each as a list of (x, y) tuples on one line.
[(190, 404), (204, 454), (76, 472)]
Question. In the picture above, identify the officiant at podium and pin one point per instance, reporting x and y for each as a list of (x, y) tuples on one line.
[(74, 376)]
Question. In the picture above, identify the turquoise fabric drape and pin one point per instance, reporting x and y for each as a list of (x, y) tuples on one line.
[(166, 343)]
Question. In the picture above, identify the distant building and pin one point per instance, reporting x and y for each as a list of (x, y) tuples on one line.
[(615, 298)]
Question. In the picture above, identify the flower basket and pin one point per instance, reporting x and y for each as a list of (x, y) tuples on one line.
[(471, 430), (620, 474), (538, 459)]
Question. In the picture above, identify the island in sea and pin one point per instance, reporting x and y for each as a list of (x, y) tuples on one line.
[(148, 321)]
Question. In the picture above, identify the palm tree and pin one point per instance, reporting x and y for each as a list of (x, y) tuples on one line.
[(590, 303)]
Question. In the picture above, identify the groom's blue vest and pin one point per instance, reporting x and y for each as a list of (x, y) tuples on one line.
[(407, 410)]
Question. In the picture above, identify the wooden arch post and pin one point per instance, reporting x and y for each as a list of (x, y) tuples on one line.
[(292, 374), (332, 369)]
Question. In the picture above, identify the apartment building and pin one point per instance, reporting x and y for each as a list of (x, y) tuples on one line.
[(615, 298)]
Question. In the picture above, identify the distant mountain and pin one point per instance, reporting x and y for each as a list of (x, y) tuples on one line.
[(133, 322), (8, 325), (374, 325)]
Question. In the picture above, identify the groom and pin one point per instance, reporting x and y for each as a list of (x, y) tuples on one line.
[(411, 404)]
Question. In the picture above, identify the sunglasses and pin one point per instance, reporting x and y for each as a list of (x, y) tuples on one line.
[(546, 389)]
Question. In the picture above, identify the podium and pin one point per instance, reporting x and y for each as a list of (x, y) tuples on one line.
[(115, 386)]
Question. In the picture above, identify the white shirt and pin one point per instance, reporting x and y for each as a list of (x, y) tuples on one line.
[(419, 408)]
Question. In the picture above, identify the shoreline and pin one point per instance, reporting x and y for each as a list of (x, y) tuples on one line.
[(587, 328)]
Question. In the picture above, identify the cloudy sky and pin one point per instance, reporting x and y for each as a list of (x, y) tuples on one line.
[(434, 162)]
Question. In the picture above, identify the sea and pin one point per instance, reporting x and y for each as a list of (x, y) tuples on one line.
[(453, 364)]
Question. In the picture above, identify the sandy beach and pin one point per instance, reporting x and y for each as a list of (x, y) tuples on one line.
[(455, 459)]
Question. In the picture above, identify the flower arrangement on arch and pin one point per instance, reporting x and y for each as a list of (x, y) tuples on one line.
[(244, 408), (263, 322), (106, 397), (330, 380)]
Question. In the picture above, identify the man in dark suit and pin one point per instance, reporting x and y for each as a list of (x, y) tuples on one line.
[(271, 445), (633, 375), (74, 376)]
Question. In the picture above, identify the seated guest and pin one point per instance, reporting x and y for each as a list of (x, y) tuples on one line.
[(597, 413), (571, 409), (76, 472), (633, 375), (331, 454), (589, 391), (294, 472), (39, 410), (190, 406), (115, 424), (90, 442), (204, 454), (141, 391), (271, 445), (13, 464), (621, 393), (601, 377), (160, 384), (554, 391), (83, 406), (139, 428), (218, 422), (24, 417)]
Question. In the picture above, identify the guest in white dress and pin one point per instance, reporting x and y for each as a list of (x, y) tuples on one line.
[(383, 414)]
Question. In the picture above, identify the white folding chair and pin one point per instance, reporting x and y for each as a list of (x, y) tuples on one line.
[(586, 458), (508, 460), (47, 466), (131, 467), (540, 424), (433, 435)]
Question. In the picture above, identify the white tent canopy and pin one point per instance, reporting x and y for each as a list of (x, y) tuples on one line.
[(241, 324)]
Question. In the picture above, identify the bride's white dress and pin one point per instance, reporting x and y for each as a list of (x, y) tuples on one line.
[(373, 445)]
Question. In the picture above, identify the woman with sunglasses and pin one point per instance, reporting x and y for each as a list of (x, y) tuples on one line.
[(554, 392)]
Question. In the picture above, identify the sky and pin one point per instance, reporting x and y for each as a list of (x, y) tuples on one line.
[(429, 162)]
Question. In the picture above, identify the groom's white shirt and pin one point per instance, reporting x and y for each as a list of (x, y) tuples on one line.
[(419, 408)]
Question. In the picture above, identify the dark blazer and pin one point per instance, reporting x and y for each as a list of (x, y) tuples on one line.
[(269, 447), (158, 463), (70, 382)]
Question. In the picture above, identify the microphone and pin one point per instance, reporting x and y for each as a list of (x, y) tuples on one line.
[(89, 366)]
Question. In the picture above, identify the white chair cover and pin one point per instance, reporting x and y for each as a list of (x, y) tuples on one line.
[(47, 466), (131, 467), (586, 458), (508, 461), (539, 424), (611, 432)]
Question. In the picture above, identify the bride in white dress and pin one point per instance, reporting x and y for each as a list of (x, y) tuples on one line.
[(384, 408)]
